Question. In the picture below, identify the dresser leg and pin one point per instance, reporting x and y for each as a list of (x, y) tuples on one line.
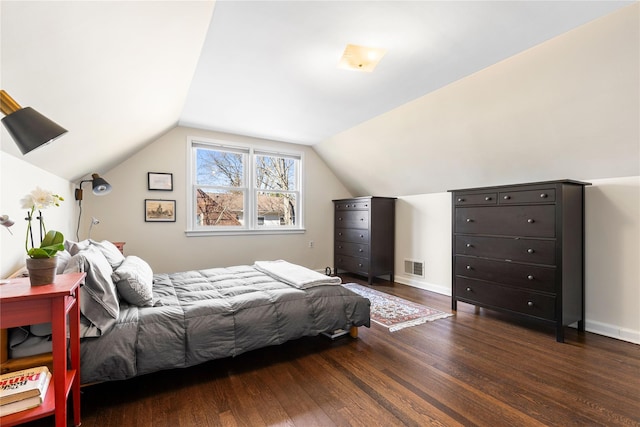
[(560, 334), (454, 304)]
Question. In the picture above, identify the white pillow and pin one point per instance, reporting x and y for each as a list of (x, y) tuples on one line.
[(75, 247), (63, 258), (110, 252), (98, 296), (134, 281)]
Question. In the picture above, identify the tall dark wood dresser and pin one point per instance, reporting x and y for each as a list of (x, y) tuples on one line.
[(520, 249), (364, 236)]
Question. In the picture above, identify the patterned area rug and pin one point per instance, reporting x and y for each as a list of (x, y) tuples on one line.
[(393, 312)]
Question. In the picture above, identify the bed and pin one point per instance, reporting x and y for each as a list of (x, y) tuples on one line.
[(135, 322)]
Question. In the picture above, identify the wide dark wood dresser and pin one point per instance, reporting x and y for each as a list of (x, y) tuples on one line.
[(520, 249), (364, 236)]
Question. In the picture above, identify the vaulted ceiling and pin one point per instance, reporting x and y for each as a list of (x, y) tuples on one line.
[(118, 74)]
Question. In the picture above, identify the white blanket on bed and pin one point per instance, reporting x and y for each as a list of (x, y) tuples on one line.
[(295, 275)]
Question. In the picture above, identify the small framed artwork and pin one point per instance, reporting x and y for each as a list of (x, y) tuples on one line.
[(160, 181), (156, 210)]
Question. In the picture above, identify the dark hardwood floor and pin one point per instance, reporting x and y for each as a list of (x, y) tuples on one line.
[(477, 368)]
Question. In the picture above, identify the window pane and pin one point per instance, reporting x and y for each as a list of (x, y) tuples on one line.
[(220, 208), (275, 173), (276, 209), (219, 168)]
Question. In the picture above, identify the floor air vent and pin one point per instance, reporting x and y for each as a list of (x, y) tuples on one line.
[(415, 268)]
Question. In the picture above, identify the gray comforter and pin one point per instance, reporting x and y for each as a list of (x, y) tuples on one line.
[(210, 314)]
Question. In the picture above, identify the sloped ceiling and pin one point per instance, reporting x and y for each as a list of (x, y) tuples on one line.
[(118, 74), (115, 74)]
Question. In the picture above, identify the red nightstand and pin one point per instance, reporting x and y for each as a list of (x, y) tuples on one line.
[(23, 304)]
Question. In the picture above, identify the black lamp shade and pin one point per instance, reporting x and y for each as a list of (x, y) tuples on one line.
[(100, 186), (30, 129)]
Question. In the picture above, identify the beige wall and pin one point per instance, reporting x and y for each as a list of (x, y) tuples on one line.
[(165, 246), (612, 233), (17, 179)]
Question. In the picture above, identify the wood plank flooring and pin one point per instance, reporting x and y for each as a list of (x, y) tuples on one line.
[(477, 368)]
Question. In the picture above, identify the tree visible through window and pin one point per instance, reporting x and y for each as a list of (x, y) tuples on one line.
[(243, 188)]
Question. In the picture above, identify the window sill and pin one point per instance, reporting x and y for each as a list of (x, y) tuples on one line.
[(204, 233)]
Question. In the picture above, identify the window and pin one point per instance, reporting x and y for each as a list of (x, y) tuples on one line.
[(238, 189)]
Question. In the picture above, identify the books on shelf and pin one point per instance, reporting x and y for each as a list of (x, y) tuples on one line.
[(23, 389)]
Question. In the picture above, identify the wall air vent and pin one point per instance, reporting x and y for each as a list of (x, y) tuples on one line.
[(413, 267)]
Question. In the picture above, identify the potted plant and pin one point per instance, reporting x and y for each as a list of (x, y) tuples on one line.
[(41, 261)]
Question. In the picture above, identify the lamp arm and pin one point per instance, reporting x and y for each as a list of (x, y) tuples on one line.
[(78, 192), (8, 105)]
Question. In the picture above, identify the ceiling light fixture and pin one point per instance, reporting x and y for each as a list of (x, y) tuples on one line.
[(360, 58), (28, 128)]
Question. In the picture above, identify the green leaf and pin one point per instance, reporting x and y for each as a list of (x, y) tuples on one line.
[(52, 238), (52, 243)]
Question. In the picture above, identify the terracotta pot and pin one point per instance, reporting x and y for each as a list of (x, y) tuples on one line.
[(42, 271)]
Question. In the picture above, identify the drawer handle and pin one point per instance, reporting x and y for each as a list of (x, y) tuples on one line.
[(530, 303), (469, 220), (339, 218), (530, 277), (487, 198), (506, 197), (530, 250), (461, 199), (468, 289), (530, 221), (543, 195), (339, 247), (339, 234), (469, 267), (359, 265), (361, 219), (362, 236), (469, 245), (359, 250)]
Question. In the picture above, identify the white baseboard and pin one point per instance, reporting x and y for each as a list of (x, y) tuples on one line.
[(607, 330), (612, 331), (412, 281)]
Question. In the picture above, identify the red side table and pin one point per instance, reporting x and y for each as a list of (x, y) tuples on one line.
[(22, 304)]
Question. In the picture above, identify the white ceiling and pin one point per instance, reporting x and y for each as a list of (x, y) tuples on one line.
[(118, 74)]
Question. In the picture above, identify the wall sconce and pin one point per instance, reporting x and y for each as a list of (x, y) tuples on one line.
[(7, 222), (28, 128), (94, 221), (100, 187)]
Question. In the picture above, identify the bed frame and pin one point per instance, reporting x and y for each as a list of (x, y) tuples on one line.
[(46, 359)]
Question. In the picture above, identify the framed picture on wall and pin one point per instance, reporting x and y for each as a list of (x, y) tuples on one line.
[(160, 181), (157, 210)]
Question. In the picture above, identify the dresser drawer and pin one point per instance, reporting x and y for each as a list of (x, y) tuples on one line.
[(525, 221), (507, 248), (352, 219), (353, 264), (547, 195), (351, 235), (352, 249), (502, 297), (509, 273), (476, 199), (352, 204)]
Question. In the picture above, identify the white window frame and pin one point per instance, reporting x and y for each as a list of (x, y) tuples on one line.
[(251, 191)]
